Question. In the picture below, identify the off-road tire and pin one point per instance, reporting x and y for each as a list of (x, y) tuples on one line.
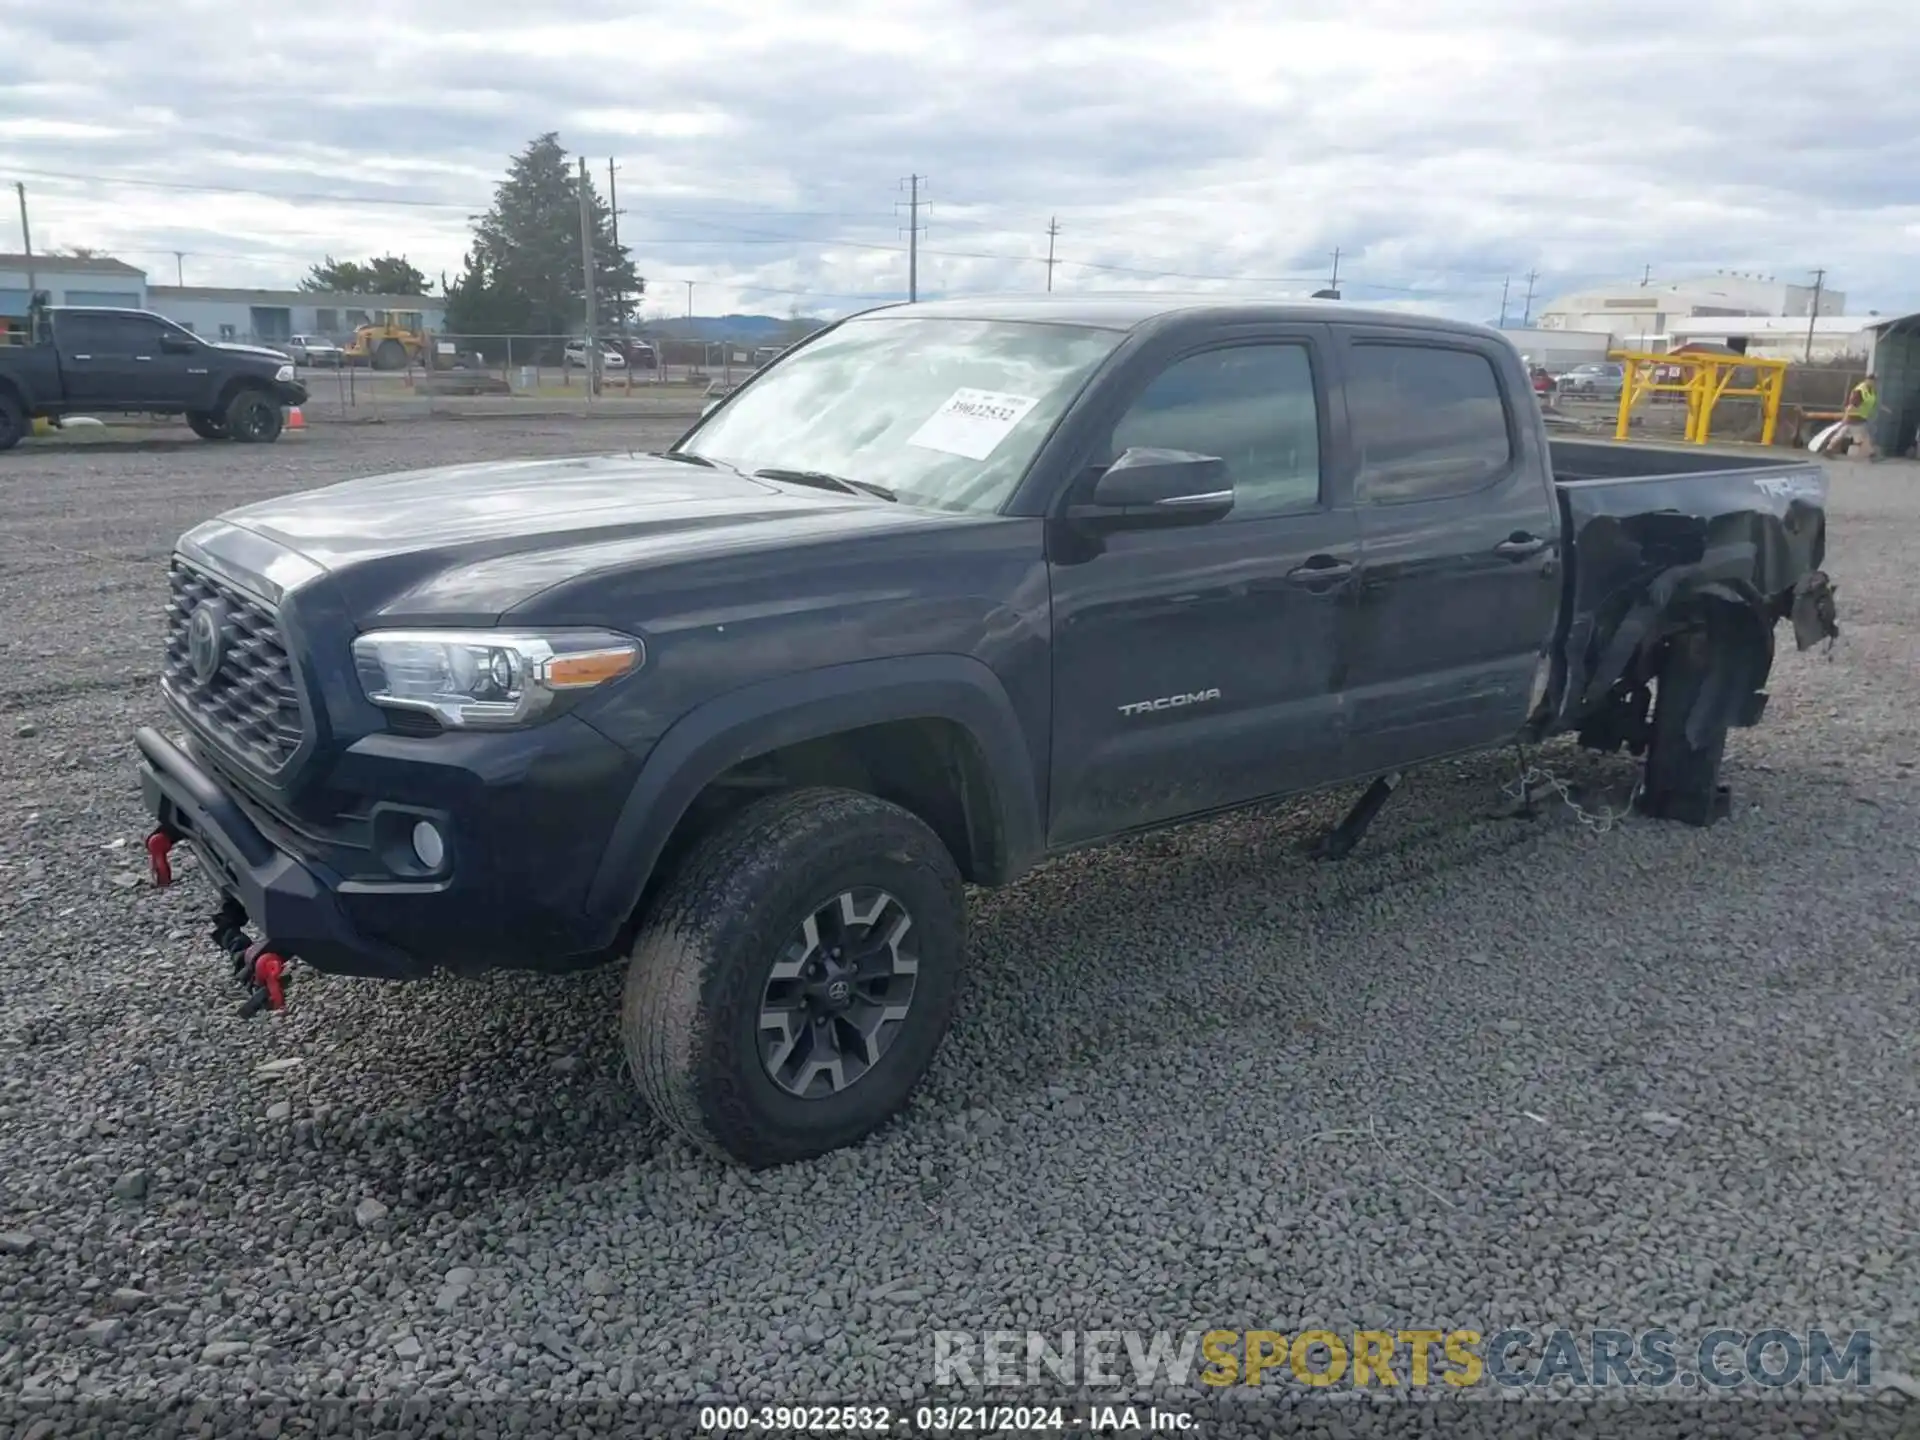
[(389, 355), (14, 424), (1682, 782), (206, 425), (699, 968), (253, 418)]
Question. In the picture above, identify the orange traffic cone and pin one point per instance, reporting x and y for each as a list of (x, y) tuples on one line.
[(295, 420)]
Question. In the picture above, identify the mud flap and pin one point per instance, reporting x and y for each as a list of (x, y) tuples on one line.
[(1816, 616)]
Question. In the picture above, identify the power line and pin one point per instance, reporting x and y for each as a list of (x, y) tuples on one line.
[(751, 234), (913, 249)]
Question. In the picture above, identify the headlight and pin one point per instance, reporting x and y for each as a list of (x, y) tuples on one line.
[(481, 679), (283, 374)]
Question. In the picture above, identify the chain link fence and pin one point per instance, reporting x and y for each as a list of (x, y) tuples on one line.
[(671, 372)]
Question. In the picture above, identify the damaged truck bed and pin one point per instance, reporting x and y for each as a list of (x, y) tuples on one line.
[(1681, 565)]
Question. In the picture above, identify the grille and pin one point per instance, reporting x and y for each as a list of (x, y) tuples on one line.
[(249, 704)]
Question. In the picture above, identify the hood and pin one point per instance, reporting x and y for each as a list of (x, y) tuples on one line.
[(475, 538), (234, 348)]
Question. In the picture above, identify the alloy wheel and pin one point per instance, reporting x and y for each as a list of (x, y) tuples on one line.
[(838, 993)]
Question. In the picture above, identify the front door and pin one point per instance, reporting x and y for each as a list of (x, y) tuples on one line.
[(1459, 547), (1198, 667), (160, 377)]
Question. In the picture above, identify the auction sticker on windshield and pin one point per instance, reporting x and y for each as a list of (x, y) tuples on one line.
[(972, 422)]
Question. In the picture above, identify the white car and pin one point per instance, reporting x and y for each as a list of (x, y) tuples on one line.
[(576, 355), (1593, 380), (313, 350)]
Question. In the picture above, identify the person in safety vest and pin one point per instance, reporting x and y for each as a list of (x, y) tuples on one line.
[(1856, 434)]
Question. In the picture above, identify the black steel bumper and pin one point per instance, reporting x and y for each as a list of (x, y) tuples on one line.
[(290, 392), (292, 903)]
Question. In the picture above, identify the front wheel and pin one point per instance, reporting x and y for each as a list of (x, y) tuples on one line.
[(253, 418), (206, 425), (795, 976)]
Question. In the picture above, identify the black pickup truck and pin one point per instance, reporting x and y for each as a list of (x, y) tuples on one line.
[(945, 590), (83, 360)]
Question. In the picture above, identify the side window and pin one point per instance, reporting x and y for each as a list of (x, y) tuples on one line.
[(1254, 407), (1430, 421), (93, 334)]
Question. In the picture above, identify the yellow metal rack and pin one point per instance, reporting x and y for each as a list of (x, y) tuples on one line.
[(1706, 379)]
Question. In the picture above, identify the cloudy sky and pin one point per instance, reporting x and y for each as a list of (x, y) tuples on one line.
[(1441, 145)]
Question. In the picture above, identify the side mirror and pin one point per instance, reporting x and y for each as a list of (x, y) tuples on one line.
[(1160, 487), (171, 344)]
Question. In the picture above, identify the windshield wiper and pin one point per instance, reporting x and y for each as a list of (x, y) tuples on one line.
[(683, 457), (823, 480)]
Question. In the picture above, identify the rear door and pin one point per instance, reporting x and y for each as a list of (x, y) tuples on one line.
[(1459, 545), (94, 356)]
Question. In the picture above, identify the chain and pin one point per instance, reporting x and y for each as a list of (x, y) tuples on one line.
[(1600, 821)]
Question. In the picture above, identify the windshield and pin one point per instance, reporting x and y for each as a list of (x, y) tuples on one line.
[(944, 413)]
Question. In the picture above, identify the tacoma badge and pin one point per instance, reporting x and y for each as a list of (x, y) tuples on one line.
[(1169, 702)]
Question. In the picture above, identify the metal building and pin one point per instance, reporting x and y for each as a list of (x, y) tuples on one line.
[(270, 317), (67, 281)]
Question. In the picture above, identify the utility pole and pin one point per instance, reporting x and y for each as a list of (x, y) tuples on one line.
[(1646, 277), (179, 267), (619, 288), (26, 238), (689, 299), (1333, 282), (586, 275), (1504, 283), (1053, 229), (1819, 279), (1527, 318), (913, 237)]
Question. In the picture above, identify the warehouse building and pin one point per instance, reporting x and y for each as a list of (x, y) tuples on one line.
[(67, 281), (1636, 314), (1777, 337), (269, 317)]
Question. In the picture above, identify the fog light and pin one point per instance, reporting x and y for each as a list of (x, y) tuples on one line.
[(428, 845)]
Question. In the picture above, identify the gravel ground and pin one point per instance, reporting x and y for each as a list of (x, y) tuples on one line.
[(1487, 1073)]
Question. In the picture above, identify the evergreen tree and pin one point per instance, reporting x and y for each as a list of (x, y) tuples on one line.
[(523, 274)]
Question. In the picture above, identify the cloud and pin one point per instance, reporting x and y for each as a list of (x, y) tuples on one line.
[(1216, 145)]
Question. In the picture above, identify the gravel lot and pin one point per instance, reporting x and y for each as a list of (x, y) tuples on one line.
[(1487, 1073)]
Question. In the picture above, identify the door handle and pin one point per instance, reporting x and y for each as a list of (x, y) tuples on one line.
[(83, 357), (1320, 572), (144, 358), (1519, 545)]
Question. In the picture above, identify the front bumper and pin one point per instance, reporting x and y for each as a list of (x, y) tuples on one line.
[(523, 815), (290, 902), (290, 392)]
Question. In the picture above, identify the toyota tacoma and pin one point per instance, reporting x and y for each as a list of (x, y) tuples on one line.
[(945, 590)]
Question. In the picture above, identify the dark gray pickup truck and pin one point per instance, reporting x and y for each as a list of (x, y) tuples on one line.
[(943, 591), (83, 360)]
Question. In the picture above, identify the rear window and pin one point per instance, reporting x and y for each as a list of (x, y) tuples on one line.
[(1430, 420)]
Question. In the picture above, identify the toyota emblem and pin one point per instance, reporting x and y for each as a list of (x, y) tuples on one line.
[(838, 992), (207, 641)]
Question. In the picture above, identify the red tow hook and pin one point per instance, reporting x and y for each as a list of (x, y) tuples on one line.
[(264, 973), (159, 845)]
